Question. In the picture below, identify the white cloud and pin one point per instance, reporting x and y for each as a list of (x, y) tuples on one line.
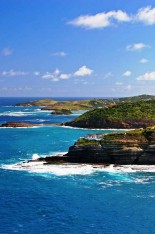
[(15, 89), (127, 73), (147, 76), (83, 71), (48, 75), (108, 74), (36, 73), (7, 51), (54, 76), (55, 79), (137, 47), (143, 61), (119, 83), (128, 87), (59, 54), (101, 20), (56, 72), (57, 75), (4, 88), (13, 73), (65, 76), (146, 15)]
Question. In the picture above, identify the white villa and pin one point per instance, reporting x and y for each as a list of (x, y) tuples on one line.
[(96, 137)]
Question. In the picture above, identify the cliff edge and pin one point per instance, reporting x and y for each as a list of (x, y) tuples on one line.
[(124, 148)]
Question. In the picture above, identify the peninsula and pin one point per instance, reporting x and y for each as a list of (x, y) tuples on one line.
[(123, 148)]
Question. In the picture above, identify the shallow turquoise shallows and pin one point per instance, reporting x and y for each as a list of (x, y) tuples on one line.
[(65, 201)]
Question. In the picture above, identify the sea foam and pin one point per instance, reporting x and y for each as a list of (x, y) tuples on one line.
[(75, 169)]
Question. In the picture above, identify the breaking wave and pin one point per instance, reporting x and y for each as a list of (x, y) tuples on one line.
[(77, 169)]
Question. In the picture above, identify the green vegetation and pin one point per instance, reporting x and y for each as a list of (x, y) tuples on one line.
[(50, 104), (143, 97), (134, 137), (86, 142), (71, 105), (142, 110), (61, 112)]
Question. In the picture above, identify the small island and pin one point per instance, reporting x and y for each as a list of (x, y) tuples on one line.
[(17, 125), (61, 112)]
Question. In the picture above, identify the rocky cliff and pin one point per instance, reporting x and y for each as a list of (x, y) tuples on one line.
[(124, 148)]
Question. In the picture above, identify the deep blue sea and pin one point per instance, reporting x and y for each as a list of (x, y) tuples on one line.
[(74, 199)]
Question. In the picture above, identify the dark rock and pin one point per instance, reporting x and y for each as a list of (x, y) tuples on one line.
[(61, 112), (16, 124), (125, 148)]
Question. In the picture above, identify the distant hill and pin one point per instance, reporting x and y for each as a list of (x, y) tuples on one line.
[(143, 97), (123, 115), (49, 104)]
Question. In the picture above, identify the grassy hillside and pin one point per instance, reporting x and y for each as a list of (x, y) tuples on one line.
[(141, 136), (142, 112), (50, 104), (143, 97)]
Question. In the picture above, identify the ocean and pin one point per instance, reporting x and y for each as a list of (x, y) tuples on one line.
[(69, 199)]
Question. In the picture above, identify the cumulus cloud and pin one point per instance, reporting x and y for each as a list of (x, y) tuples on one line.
[(147, 76), (59, 54), (48, 75), (56, 72), (146, 15), (7, 51), (127, 73), (128, 87), (12, 73), (108, 74), (137, 47), (36, 73), (101, 20), (83, 71), (56, 75), (143, 61), (65, 76)]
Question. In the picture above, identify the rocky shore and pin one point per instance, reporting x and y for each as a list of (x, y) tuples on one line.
[(17, 125), (125, 148)]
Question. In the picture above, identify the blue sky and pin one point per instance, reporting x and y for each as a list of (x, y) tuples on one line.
[(64, 48)]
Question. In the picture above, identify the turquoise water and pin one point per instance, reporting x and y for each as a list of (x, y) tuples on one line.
[(62, 201)]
